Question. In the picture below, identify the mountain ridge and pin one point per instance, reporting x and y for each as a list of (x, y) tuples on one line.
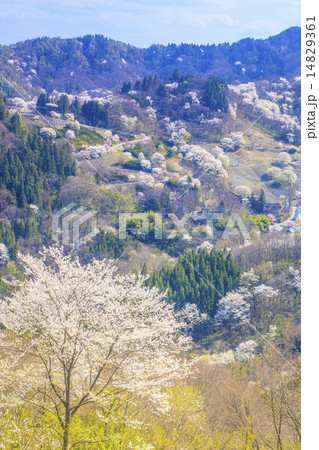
[(95, 61)]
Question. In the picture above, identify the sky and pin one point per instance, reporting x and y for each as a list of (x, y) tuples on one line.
[(145, 22)]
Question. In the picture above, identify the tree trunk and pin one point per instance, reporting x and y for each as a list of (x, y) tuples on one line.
[(66, 429), (66, 432), (65, 439)]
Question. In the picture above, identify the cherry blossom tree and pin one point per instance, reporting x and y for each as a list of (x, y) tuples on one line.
[(296, 278), (289, 176), (283, 159), (245, 350), (90, 335), (274, 173), (233, 310)]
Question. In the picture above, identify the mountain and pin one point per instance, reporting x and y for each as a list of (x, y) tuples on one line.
[(94, 61)]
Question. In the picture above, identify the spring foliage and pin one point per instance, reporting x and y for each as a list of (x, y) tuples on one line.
[(89, 336)]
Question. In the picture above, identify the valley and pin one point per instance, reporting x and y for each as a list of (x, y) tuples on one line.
[(164, 182)]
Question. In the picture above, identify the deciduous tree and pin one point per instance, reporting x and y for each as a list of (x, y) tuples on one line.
[(90, 336)]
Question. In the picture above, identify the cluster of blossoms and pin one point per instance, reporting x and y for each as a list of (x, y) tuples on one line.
[(46, 131), (233, 142), (146, 179), (202, 158), (4, 254), (207, 245), (250, 287), (286, 176), (233, 110), (157, 158), (277, 107), (121, 336), (128, 122), (19, 104), (94, 151), (157, 171), (244, 352), (151, 113), (219, 154), (146, 164), (70, 134), (69, 116), (234, 308), (101, 96), (276, 228), (296, 278), (157, 163), (214, 122), (55, 115), (177, 131), (171, 86), (283, 159), (186, 180), (108, 135), (193, 96)]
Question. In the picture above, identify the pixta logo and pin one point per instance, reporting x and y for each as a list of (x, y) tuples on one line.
[(140, 223), (74, 221)]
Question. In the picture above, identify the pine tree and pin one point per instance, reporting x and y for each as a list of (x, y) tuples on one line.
[(262, 201), (3, 108), (197, 278)]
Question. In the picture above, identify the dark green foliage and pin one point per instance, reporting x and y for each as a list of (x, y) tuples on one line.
[(127, 87), (96, 114), (161, 91), (214, 95), (262, 201), (16, 125), (200, 277), (26, 229), (173, 247), (64, 104), (153, 204), (22, 173), (3, 108), (147, 82), (143, 102), (133, 164), (107, 243), (43, 99), (258, 204), (7, 237)]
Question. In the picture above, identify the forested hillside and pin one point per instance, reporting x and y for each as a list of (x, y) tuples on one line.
[(91, 62), (150, 223)]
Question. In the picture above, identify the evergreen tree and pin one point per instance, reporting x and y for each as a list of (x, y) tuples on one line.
[(64, 104), (3, 108), (198, 277), (214, 95), (262, 201), (42, 101)]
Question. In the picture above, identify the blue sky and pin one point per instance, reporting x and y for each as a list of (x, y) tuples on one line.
[(143, 22)]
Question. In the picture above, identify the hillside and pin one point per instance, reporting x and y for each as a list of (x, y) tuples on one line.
[(90, 62), (150, 214)]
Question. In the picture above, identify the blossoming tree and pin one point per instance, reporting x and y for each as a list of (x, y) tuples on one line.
[(90, 335), (233, 310)]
